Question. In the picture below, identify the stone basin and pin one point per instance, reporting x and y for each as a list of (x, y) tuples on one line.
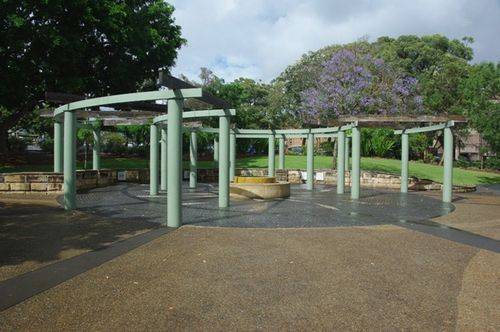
[(259, 187)]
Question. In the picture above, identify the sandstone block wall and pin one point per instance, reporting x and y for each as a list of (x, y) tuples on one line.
[(52, 183), (321, 176)]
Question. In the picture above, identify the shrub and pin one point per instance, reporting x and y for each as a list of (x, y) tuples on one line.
[(326, 148), (378, 142)]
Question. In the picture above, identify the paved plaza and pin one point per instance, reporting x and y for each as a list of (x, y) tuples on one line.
[(314, 261)]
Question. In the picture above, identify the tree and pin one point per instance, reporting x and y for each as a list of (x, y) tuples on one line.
[(438, 63), (353, 82), (84, 47), (480, 94)]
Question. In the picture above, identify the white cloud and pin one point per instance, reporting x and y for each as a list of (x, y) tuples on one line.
[(259, 38)]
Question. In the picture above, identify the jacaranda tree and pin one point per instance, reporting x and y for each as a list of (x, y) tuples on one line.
[(354, 82)]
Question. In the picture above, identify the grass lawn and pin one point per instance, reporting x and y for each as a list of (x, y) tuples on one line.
[(419, 170)]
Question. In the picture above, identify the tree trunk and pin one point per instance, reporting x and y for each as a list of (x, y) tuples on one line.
[(4, 146)]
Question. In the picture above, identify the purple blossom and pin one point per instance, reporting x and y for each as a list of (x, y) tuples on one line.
[(353, 82)]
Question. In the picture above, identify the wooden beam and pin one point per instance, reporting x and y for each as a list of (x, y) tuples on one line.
[(389, 120), (125, 122), (174, 83)]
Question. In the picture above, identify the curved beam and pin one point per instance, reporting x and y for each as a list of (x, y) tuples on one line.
[(425, 129), (198, 114), (128, 98)]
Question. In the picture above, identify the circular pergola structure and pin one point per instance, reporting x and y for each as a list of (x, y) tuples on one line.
[(168, 139), (65, 125)]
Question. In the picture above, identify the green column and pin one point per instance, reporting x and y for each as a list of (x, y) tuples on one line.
[(163, 159), (193, 157), (58, 146), (153, 160), (232, 156), (223, 161), (356, 156), (216, 150), (340, 162), (271, 156), (96, 148), (448, 166), (310, 161), (174, 169), (281, 152), (404, 162), (69, 187), (347, 141)]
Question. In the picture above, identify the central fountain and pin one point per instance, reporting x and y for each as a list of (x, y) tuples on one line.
[(261, 187)]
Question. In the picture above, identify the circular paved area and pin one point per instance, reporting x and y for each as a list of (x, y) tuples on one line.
[(319, 208)]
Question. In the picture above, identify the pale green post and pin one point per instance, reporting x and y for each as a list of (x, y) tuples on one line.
[(347, 141), (193, 157), (69, 160), (224, 161), (281, 152), (58, 146), (340, 162), (448, 166), (216, 150), (405, 152), (174, 169), (163, 159), (271, 156), (96, 148), (153, 160), (310, 161), (356, 156), (232, 156)]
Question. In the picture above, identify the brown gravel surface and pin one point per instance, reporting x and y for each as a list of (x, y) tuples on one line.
[(475, 213), (375, 278), (36, 231)]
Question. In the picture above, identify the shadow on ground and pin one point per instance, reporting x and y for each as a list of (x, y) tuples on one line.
[(35, 234)]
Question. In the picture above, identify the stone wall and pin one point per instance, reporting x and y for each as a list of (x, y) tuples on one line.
[(321, 176), (31, 182), (136, 175), (52, 183)]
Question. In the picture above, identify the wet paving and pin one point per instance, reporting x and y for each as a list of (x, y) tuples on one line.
[(319, 208)]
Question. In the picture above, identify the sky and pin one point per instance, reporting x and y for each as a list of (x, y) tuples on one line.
[(260, 38)]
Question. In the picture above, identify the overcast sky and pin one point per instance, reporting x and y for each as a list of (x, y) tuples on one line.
[(259, 38)]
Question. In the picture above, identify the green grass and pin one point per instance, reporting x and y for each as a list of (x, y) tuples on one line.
[(393, 166)]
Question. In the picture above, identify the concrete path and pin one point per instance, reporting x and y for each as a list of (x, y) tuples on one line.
[(374, 277)]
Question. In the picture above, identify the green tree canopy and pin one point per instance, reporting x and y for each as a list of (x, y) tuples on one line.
[(438, 63), (81, 46), (480, 101)]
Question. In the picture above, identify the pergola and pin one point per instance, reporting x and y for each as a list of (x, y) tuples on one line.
[(65, 124), (354, 125), (166, 135)]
